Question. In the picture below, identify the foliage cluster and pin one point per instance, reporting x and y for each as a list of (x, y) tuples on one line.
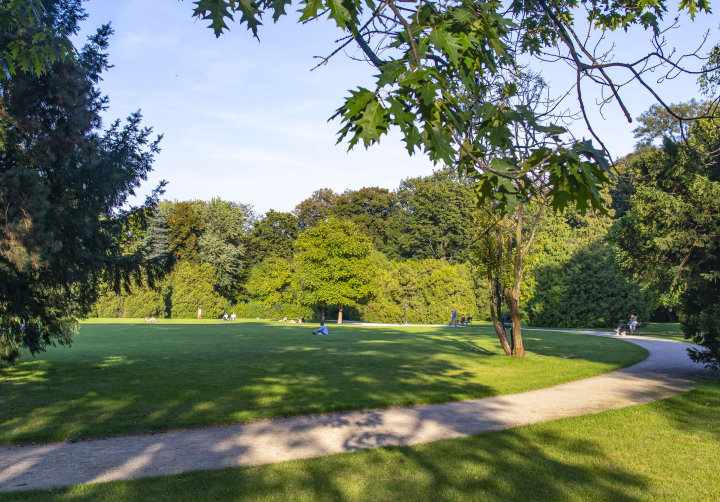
[(670, 235), (65, 182)]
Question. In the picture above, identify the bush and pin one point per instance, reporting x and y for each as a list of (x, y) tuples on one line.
[(431, 288), (252, 310), (192, 286), (144, 303), (586, 291)]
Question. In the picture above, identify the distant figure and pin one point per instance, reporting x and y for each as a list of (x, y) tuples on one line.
[(284, 319), (152, 318), (147, 320), (453, 318), (623, 328), (226, 317), (302, 319), (633, 323), (233, 316), (462, 320), (322, 330), (200, 314)]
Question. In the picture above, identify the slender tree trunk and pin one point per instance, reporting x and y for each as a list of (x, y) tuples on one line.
[(340, 315), (513, 294), (512, 298), (499, 328)]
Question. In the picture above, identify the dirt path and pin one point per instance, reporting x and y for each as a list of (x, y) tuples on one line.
[(665, 373)]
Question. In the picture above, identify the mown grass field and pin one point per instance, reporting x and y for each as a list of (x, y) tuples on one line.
[(121, 378), (664, 451)]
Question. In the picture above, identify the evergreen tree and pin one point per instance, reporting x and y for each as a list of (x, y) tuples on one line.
[(63, 183), (186, 226), (669, 239)]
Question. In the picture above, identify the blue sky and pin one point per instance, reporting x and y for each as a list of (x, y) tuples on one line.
[(247, 120)]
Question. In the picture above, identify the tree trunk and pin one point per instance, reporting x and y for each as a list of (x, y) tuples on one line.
[(512, 297), (340, 315), (499, 328)]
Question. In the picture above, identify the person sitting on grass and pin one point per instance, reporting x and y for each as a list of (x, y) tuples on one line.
[(322, 330), (225, 317), (233, 316), (152, 318)]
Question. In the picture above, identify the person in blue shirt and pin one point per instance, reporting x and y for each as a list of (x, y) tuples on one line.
[(322, 330)]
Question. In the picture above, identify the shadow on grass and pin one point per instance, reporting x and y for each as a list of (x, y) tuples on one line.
[(498, 466), (129, 378)]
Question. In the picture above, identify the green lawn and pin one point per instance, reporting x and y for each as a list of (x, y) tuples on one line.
[(123, 378), (667, 450)]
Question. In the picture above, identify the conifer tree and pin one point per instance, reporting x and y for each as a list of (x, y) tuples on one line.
[(63, 182)]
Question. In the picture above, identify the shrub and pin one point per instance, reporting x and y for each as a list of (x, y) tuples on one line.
[(193, 287), (586, 291)]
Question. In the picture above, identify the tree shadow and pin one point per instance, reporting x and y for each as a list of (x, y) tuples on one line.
[(129, 379), (507, 465)]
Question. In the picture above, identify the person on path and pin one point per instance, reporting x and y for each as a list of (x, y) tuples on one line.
[(453, 318), (322, 330), (200, 314)]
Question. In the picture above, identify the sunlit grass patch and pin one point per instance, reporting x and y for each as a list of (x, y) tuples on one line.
[(121, 378), (663, 451)]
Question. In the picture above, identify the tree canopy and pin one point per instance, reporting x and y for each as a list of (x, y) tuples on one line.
[(63, 182), (670, 236), (448, 74), (332, 265)]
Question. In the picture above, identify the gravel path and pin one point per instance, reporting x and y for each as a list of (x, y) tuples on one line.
[(665, 373)]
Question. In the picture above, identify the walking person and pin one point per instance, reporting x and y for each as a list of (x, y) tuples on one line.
[(200, 314), (453, 318)]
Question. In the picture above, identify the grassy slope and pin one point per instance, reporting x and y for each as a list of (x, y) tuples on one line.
[(124, 378), (667, 450)]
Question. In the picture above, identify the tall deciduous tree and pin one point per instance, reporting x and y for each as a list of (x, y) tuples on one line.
[(269, 282), (315, 208), (36, 34), (375, 211), (63, 182), (436, 216), (273, 235), (220, 246), (332, 266)]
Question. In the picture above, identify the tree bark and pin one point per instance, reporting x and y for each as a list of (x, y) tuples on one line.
[(499, 328), (340, 315), (512, 295), (512, 298)]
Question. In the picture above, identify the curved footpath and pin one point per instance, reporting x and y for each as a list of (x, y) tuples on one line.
[(665, 373)]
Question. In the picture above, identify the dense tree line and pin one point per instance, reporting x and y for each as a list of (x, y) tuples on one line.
[(372, 254)]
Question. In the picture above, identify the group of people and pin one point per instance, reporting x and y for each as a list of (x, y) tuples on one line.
[(623, 327), (232, 317), (285, 319), (151, 319), (465, 319)]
